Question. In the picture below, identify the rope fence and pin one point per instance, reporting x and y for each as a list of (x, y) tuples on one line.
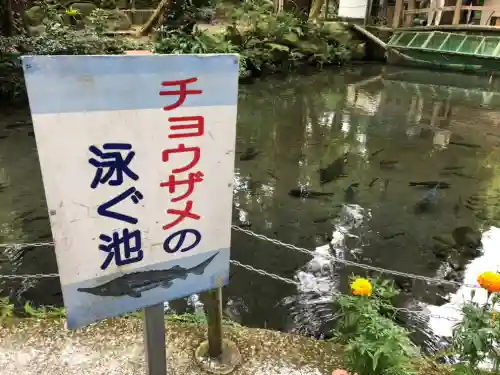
[(430, 280)]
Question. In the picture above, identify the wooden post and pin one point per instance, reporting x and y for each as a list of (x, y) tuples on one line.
[(213, 305), (154, 340), (397, 14), (456, 13), (409, 17)]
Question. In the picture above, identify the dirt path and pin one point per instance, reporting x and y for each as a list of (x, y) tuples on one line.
[(45, 347)]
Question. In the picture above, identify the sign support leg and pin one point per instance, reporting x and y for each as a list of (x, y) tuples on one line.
[(213, 305), (154, 340)]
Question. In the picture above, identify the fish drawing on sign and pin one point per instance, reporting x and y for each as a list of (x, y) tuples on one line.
[(133, 284)]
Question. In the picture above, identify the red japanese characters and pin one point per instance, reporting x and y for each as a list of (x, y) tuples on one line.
[(179, 183)]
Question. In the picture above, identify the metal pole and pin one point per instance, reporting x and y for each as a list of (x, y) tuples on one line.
[(213, 307), (154, 340)]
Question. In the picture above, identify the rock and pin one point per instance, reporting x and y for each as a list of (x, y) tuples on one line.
[(358, 50), (108, 4), (338, 32), (117, 20), (441, 251), (85, 8), (278, 47), (308, 47), (34, 16), (289, 39), (36, 30), (466, 236)]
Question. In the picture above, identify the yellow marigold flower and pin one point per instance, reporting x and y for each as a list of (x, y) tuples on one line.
[(489, 281), (362, 287)]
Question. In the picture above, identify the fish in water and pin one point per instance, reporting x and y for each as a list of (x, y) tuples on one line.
[(305, 193), (431, 184), (451, 168), (249, 154), (372, 182), (460, 174), (133, 284), (458, 205), (388, 164), (377, 152), (391, 236), (350, 194), (470, 145), (333, 171), (428, 200)]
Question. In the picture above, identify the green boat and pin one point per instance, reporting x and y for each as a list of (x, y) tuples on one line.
[(467, 51)]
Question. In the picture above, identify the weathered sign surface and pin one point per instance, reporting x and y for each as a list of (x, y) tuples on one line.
[(137, 156)]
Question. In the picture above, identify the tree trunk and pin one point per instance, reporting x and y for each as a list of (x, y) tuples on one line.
[(7, 25)]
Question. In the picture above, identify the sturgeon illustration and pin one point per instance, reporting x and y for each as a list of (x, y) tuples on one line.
[(133, 284)]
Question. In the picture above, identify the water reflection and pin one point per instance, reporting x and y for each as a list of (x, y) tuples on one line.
[(409, 182)]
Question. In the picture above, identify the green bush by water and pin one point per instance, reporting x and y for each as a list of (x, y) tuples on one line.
[(267, 43)]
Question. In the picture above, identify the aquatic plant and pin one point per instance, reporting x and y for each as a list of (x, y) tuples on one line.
[(374, 343)]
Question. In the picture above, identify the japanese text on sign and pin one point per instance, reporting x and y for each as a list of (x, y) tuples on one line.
[(185, 177)]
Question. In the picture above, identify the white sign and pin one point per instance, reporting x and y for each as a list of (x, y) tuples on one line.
[(137, 157), (353, 9)]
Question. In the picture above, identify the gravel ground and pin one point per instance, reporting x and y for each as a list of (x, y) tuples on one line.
[(115, 347)]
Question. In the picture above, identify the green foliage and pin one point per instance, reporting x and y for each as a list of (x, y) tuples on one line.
[(44, 312), (57, 39), (477, 336), (6, 308), (375, 344), (267, 43)]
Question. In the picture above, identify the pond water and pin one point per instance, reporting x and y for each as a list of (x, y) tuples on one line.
[(344, 162)]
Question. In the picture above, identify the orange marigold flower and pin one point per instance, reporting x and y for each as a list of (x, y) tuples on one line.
[(489, 281), (362, 287)]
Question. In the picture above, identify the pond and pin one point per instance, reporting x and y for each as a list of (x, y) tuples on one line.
[(386, 167)]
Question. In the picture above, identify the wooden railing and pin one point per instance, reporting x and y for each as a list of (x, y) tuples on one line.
[(405, 17)]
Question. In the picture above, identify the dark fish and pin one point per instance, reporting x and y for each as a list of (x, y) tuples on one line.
[(17, 125), (333, 171), (3, 136), (249, 154), (133, 284), (428, 200), (324, 219), (394, 235), (430, 184), (304, 193), (377, 152), (271, 174), (470, 145), (452, 168), (36, 218), (372, 182), (388, 164), (458, 205), (460, 174), (350, 194), (386, 187)]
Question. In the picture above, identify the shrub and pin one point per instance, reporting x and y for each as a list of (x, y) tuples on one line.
[(375, 344), (476, 337)]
